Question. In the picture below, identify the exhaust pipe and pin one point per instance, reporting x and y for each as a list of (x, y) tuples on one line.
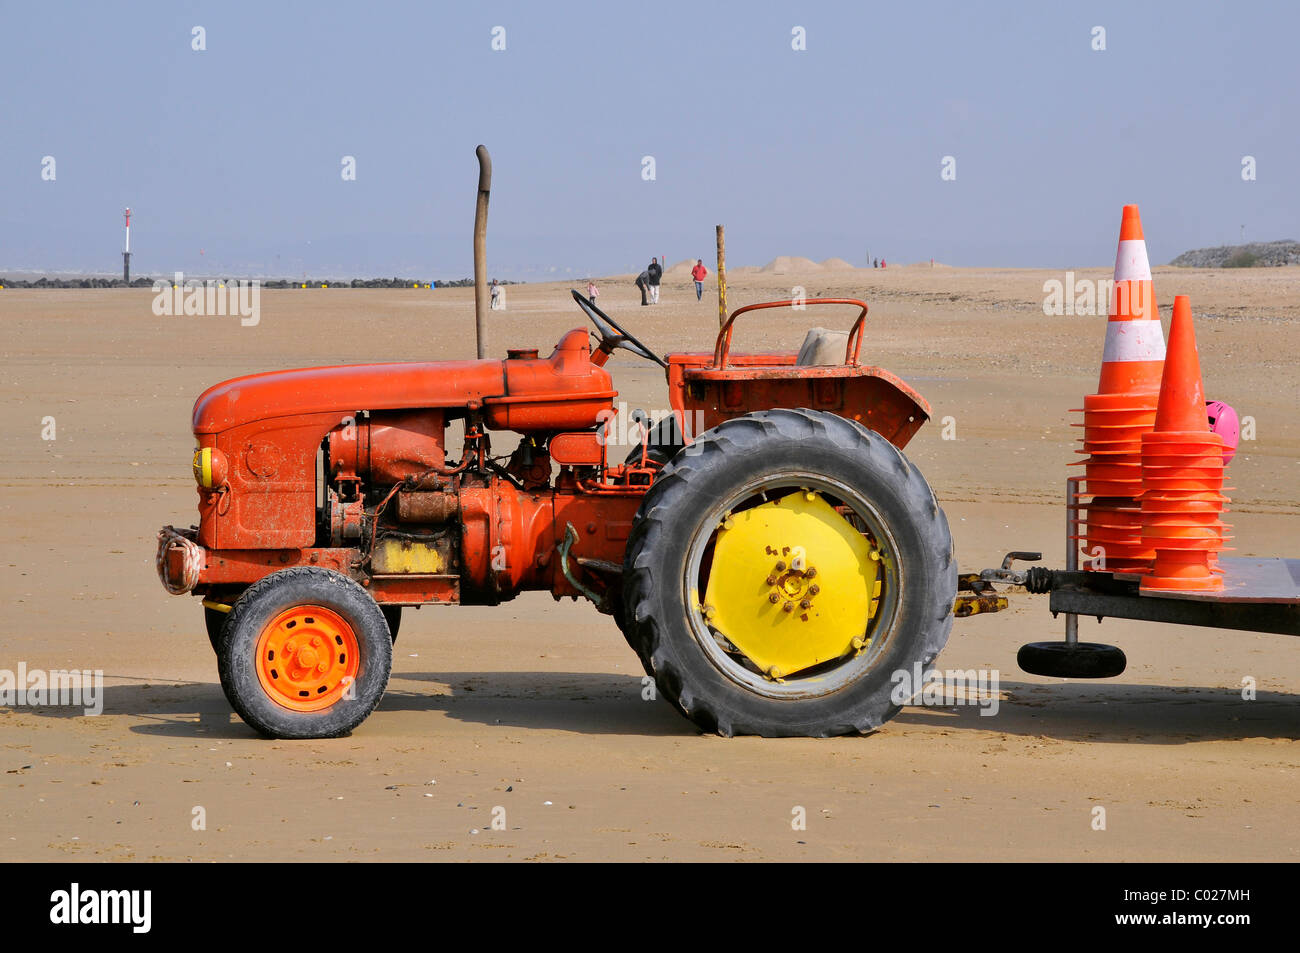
[(480, 246)]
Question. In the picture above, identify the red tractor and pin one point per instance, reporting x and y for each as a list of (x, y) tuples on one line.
[(773, 572)]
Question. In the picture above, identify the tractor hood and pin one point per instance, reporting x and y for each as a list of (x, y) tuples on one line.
[(565, 391), (346, 389)]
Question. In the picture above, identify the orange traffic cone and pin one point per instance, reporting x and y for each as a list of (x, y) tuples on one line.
[(1135, 345), (1182, 473), (1123, 409)]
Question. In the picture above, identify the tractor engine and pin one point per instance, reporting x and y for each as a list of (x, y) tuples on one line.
[(368, 460), (389, 493), (381, 449), (288, 475)]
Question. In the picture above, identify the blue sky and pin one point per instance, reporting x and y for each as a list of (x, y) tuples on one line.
[(236, 151)]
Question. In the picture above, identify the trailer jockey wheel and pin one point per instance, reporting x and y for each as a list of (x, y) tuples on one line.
[(305, 653), (1071, 660), (780, 573)]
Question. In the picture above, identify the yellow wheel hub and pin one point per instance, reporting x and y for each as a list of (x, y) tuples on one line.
[(792, 585)]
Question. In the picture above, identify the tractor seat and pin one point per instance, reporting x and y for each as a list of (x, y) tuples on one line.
[(822, 347)]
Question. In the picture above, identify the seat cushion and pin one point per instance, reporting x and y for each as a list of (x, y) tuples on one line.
[(822, 346)]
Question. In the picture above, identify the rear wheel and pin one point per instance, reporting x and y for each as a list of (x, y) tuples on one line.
[(781, 570), (305, 653)]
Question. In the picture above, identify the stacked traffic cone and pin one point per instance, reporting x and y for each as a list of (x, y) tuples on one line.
[(1123, 410), (1182, 473)]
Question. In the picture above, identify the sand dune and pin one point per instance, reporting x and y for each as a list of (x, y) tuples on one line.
[(789, 264)]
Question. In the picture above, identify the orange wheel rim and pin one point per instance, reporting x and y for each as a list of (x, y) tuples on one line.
[(307, 658)]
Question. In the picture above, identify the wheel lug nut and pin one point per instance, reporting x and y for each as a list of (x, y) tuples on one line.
[(773, 598), (788, 607), (810, 572), (805, 604), (814, 589), (321, 668), (316, 641), (291, 646), (780, 565), (771, 580)]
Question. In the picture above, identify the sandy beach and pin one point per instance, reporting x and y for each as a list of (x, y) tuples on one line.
[(536, 706)]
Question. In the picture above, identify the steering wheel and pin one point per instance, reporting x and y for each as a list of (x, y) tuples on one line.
[(612, 336)]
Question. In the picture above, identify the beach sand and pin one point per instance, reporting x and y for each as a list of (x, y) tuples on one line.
[(536, 706)]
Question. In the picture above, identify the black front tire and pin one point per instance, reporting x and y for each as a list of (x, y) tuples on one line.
[(254, 611), (721, 463)]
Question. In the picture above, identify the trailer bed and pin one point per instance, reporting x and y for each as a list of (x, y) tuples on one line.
[(1259, 594)]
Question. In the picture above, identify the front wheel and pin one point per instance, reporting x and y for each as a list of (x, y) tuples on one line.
[(305, 653), (781, 572)]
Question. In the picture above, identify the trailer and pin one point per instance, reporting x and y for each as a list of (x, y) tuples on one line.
[(1259, 594)]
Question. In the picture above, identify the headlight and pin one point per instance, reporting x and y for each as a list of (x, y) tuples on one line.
[(210, 468)]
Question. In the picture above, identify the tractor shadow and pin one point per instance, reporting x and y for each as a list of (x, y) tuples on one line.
[(597, 703), (1120, 713), (1111, 713), (580, 702), (167, 709)]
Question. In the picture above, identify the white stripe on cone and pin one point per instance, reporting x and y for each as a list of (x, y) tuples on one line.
[(1133, 341), (1131, 262)]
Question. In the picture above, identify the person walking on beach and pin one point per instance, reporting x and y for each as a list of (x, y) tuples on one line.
[(655, 273), (498, 297), (643, 282), (699, 273), (592, 292)]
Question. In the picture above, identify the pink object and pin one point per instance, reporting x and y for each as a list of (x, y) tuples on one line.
[(1223, 421)]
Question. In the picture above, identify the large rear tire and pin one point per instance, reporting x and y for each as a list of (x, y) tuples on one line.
[(763, 459), (305, 653)]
